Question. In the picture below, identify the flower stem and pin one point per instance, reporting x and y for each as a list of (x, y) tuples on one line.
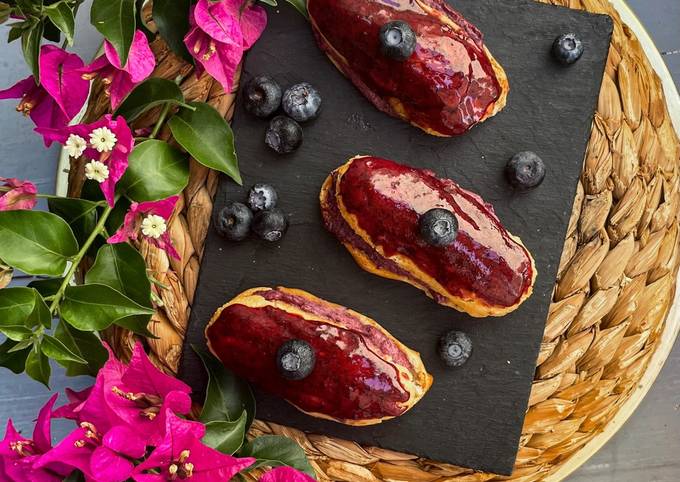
[(160, 121), (75, 262), (186, 106)]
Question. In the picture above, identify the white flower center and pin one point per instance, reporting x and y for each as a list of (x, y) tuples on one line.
[(103, 139), (154, 226), (97, 171), (75, 145)]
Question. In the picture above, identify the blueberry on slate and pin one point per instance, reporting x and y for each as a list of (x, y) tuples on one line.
[(525, 171), (283, 135), (233, 221), (262, 197), (295, 359), (567, 48), (302, 102), (397, 40), (455, 348), (270, 225), (438, 227), (262, 96)]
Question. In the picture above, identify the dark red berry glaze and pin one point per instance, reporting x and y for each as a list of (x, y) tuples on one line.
[(387, 199), (349, 381), (446, 86)]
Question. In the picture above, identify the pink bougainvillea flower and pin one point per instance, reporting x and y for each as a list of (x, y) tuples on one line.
[(220, 32), (121, 79), (61, 94), (117, 417), (16, 194), (134, 395), (107, 143), (285, 474), (150, 220), (75, 399), (93, 410), (143, 395), (74, 451), (100, 457), (18, 454), (181, 455)]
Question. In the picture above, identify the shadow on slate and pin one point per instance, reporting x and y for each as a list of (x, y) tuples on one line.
[(473, 415)]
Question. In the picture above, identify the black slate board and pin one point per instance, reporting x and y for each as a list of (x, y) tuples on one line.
[(472, 416)]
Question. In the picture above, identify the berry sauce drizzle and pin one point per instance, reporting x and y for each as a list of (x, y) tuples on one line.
[(349, 381), (485, 261), (446, 86)]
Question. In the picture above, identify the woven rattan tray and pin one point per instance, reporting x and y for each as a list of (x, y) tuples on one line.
[(606, 336)]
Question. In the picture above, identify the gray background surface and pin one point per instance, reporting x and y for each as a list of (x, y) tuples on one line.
[(646, 449)]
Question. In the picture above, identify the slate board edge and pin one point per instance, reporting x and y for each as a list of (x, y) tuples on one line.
[(536, 348)]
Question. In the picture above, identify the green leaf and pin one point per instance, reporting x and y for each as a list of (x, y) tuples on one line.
[(94, 307), (61, 15), (46, 287), (117, 216), (30, 46), (277, 451), (56, 350), (226, 396), (300, 5), (16, 332), (5, 11), (36, 242), (141, 22), (115, 20), (172, 19), (22, 345), (207, 137), (137, 324), (14, 34), (121, 267), (155, 171), (16, 305), (38, 366), (80, 214), (91, 191), (226, 437), (14, 360), (28, 8), (85, 345), (41, 313), (147, 95)]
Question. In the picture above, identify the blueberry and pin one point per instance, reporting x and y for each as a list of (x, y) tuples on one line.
[(397, 40), (270, 225), (233, 221), (455, 348), (295, 359), (263, 96), (302, 102), (567, 48), (438, 227), (284, 135), (262, 197), (525, 171)]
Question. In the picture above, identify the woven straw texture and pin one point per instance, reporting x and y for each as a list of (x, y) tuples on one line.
[(613, 292)]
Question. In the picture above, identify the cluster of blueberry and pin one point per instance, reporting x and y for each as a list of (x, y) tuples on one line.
[(301, 103), (236, 220)]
